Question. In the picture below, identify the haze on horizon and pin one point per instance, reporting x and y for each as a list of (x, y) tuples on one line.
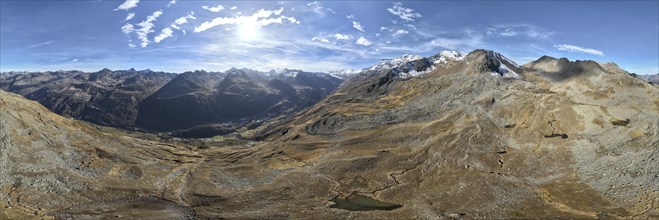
[(179, 35)]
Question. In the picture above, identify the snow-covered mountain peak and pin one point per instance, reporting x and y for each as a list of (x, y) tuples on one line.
[(395, 62), (448, 55), (503, 67), (284, 72), (344, 74)]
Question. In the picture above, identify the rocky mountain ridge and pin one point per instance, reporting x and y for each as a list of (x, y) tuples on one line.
[(105, 97)]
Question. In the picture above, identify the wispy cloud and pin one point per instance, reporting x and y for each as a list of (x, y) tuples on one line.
[(165, 33), (400, 32), (129, 16), (40, 44), (518, 30), (182, 20), (407, 14), (128, 4), (146, 28), (320, 39), (172, 2), (363, 41), (573, 48), (319, 9), (358, 26), (259, 19), (339, 36), (469, 40), (508, 33), (216, 8)]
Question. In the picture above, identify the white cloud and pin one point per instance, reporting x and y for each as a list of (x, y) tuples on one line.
[(260, 18), (572, 48), (319, 9), (351, 17), (129, 16), (131, 45), (217, 8), (182, 20), (233, 8), (128, 4), (127, 28), (321, 39), (532, 34), (75, 60), (172, 2), (508, 33), (518, 30), (406, 14), (339, 36), (146, 28), (363, 41), (400, 32), (358, 26), (165, 33)]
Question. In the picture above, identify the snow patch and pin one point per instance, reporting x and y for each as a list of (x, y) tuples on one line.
[(404, 66), (283, 72), (395, 62), (503, 71), (344, 74)]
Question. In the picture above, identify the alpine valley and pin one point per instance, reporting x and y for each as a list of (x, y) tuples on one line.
[(450, 136)]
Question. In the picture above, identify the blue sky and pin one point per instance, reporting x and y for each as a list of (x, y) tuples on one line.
[(186, 35)]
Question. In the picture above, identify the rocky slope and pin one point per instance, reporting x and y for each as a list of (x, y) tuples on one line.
[(54, 166), (238, 97), (105, 97), (561, 139)]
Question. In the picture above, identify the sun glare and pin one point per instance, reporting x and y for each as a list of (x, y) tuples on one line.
[(248, 31)]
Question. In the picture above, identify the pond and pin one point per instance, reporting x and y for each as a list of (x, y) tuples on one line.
[(358, 202)]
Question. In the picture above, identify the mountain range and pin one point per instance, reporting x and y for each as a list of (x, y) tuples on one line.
[(451, 136), (192, 104)]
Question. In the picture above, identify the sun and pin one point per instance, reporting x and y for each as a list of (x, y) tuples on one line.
[(248, 31)]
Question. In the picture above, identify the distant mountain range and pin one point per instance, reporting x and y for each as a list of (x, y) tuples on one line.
[(105, 97), (159, 101), (654, 79), (237, 97)]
